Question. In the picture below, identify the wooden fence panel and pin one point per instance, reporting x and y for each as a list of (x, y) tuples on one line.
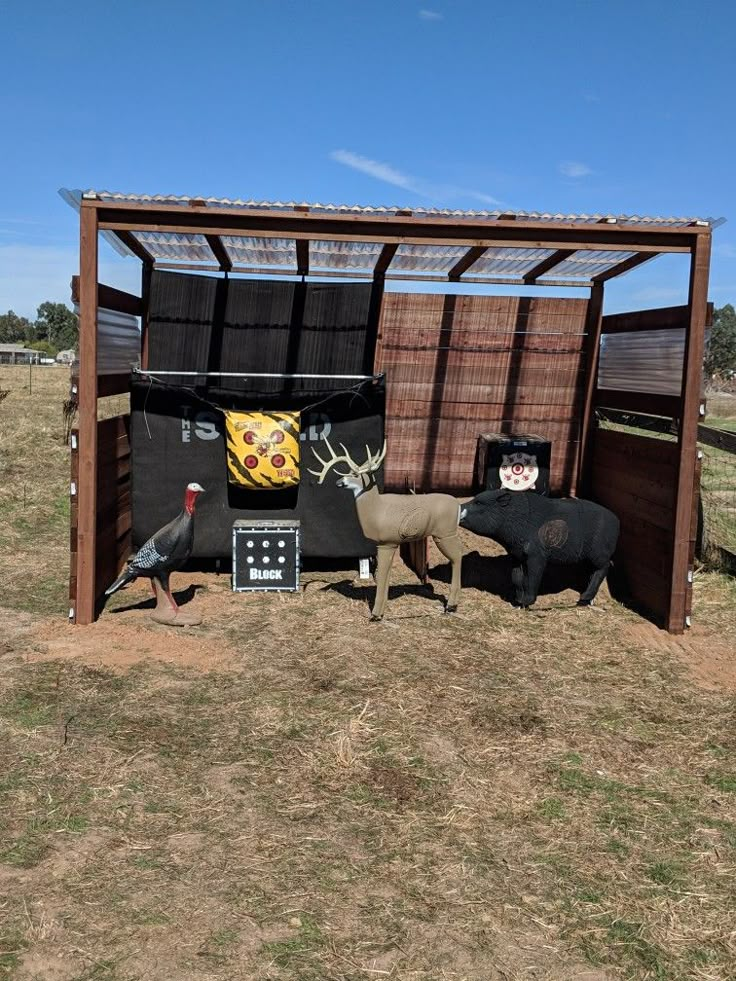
[(113, 500), (636, 477), (459, 366)]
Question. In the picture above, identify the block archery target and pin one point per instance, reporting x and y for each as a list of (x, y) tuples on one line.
[(265, 556)]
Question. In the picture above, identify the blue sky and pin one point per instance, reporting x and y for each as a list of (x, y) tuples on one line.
[(563, 106)]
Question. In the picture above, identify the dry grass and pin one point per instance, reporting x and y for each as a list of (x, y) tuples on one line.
[(489, 795)]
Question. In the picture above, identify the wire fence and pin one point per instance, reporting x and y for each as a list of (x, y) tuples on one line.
[(718, 477), (717, 443)]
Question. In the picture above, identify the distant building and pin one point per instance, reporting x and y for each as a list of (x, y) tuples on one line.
[(66, 357), (17, 354)]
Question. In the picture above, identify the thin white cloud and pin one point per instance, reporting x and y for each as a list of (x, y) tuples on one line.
[(30, 274), (574, 169), (430, 15), (381, 171), (438, 193)]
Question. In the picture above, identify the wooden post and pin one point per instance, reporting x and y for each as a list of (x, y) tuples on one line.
[(593, 325), (146, 272), (87, 482), (692, 382)]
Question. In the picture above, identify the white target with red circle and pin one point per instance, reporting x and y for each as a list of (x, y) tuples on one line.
[(519, 471)]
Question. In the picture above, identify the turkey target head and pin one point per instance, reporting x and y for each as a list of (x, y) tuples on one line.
[(190, 497)]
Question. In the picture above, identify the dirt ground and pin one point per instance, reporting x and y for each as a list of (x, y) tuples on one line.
[(291, 793)]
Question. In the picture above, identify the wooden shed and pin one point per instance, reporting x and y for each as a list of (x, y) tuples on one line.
[(455, 364)]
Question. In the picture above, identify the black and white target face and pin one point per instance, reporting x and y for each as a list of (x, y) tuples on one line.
[(519, 471)]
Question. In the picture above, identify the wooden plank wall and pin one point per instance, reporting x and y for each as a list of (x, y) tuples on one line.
[(458, 366), (636, 477), (73, 520), (113, 500)]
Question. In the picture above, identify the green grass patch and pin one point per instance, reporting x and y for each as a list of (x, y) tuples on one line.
[(552, 809), (32, 846), (292, 952), (725, 782), (666, 873)]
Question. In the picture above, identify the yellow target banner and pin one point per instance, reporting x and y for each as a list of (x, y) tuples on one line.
[(262, 449)]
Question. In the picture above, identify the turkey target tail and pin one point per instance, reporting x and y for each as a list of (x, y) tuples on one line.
[(126, 576)]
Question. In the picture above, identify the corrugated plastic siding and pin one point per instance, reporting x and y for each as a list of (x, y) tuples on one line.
[(643, 361), (426, 258), (176, 247), (508, 262), (118, 341), (327, 254), (459, 366), (249, 251), (74, 196), (585, 264)]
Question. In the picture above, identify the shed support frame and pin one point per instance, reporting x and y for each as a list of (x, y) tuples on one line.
[(84, 602), (566, 237)]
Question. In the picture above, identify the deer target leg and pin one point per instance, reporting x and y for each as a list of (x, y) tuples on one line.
[(587, 597), (451, 547), (383, 569)]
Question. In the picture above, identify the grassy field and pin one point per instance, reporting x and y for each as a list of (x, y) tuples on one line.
[(291, 793)]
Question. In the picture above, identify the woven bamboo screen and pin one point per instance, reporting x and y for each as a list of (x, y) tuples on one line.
[(459, 366)]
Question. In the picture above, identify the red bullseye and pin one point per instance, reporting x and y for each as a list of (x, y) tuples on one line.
[(249, 436), (251, 462), (517, 468), (278, 460), (277, 436)]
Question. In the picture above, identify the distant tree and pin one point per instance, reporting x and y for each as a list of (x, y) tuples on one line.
[(58, 325), (44, 347), (720, 358), (14, 329)]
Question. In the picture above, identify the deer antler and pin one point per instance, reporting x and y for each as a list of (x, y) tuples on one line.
[(370, 466), (327, 465), (373, 462)]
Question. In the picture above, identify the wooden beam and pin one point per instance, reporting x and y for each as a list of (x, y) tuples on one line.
[(384, 258), (302, 257), (146, 273), (131, 242), (660, 318), (84, 610), (654, 404), (111, 298), (113, 385), (692, 381), (717, 438), (546, 264), (439, 230), (623, 267), (487, 237), (593, 322), (217, 247), (465, 262)]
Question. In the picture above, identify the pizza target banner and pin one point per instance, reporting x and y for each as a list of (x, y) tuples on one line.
[(519, 471), (262, 449)]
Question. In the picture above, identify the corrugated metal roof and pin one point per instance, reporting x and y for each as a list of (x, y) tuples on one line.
[(254, 254)]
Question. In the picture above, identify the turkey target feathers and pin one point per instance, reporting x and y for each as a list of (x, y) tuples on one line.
[(163, 553)]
